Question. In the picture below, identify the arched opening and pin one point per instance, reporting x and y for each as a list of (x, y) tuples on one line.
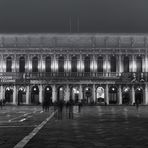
[(113, 95), (9, 94), (9, 64), (74, 95), (35, 64), (100, 64), (35, 95), (139, 64), (126, 95), (48, 94), (48, 64), (100, 95), (22, 64), (126, 64), (113, 63), (87, 64), (21, 95), (61, 64), (60, 93), (74, 64), (139, 95), (88, 95)]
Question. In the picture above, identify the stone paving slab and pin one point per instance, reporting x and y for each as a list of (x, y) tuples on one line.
[(96, 127)]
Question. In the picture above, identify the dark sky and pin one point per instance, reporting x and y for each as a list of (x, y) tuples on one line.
[(115, 16)]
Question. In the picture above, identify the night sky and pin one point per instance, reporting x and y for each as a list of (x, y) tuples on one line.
[(102, 16)]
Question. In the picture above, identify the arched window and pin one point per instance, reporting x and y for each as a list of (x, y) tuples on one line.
[(126, 64), (74, 64), (61, 64), (100, 64), (9, 64), (139, 64), (113, 63), (35, 64), (48, 64), (87, 64), (22, 64)]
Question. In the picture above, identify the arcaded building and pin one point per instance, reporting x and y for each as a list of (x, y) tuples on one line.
[(92, 68)]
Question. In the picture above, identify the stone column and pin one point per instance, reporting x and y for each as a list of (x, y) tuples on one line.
[(1, 63), (146, 63), (120, 65), (14, 64), (67, 93), (1, 96), (120, 95), (133, 95), (54, 93), (40, 93), (146, 94), (80, 92), (27, 95), (94, 93), (107, 94), (81, 64), (107, 65), (14, 94), (133, 68)]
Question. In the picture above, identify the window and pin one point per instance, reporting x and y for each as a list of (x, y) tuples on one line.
[(113, 63), (87, 64), (61, 64), (22, 64), (48, 64), (35, 64), (74, 64), (100, 64), (126, 64), (139, 64), (9, 64)]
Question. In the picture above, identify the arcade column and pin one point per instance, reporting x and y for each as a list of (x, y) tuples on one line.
[(40, 93), (133, 95), (67, 93), (27, 95), (94, 93), (54, 93), (14, 94), (107, 94), (146, 94), (120, 94), (80, 92), (1, 94)]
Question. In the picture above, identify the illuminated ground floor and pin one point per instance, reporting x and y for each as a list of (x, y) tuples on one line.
[(87, 92)]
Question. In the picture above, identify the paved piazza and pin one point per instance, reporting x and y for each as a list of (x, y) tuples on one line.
[(94, 127)]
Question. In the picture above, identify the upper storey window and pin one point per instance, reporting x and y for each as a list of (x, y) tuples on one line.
[(48, 64), (61, 64), (87, 64), (74, 64), (100, 64), (9, 64), (139, 64), (22, 64), (113, 63), (35, 64), (126, 64)]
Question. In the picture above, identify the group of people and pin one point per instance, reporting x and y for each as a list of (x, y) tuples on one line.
[(59, 105), (46, 104)]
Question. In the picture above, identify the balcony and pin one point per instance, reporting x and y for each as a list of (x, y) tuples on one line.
[(75, 76)]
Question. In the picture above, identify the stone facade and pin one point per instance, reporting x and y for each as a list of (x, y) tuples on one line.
[(93, 68)]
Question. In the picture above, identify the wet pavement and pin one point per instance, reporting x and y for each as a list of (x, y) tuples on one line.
[(93, 127), (96, 127)]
